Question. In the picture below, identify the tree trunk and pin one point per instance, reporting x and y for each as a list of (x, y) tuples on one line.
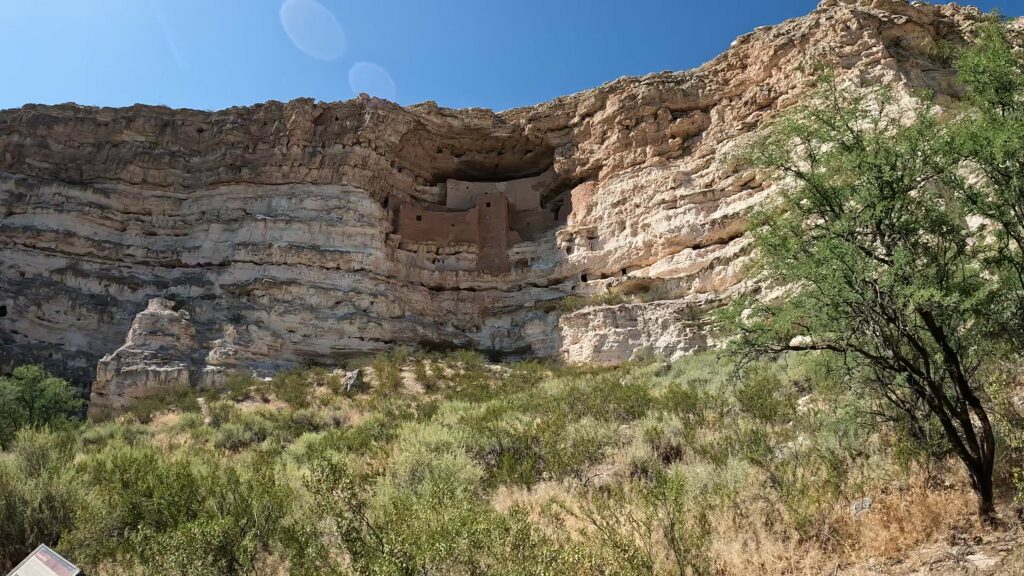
[(986, 505), (981, 482), (982, 479)]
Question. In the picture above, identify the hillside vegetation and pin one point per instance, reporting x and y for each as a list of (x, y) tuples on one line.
[(449, 465)]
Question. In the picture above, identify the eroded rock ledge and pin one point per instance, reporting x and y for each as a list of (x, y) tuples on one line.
[(282, 231)]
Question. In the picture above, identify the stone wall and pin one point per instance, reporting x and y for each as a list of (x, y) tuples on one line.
[(531, 224), (495, 235), (486, 225), (490, 215), (522, 193), (436, 227)]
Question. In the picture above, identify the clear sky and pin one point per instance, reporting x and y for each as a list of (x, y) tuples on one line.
[(211, 54)]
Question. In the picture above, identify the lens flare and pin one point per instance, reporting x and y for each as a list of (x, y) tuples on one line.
[(313, 29), (372, 79)]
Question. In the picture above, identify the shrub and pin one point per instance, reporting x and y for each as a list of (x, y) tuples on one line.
[(98, 435), (762, 395), (580, 445), (181, 397), (428, 517), (188, 514), (508, 445), (222, 412), (606, 396), (245, 429), (655, 528), (424, 375), (293, 387), (388, 370), (668, 437), (39, 493), (519, 469), (31, 396), (237, 386), (134, 490)]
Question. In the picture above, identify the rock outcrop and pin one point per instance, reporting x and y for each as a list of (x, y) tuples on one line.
[(154, 358), (276, 226)]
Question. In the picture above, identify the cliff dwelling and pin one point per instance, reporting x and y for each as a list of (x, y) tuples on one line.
[(491, 215)]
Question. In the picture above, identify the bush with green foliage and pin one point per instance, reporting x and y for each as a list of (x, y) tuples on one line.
[(31, 397), (39, 493)]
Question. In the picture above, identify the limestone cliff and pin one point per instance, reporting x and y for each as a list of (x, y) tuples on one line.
[(277, 229)]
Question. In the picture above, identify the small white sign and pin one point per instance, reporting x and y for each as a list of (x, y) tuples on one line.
[(45, 562)]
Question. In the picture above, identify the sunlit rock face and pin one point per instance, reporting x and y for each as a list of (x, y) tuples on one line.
[(155, 356), (275, 228)]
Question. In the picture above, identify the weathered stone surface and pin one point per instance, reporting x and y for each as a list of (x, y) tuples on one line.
[(273, 225), (610, 334), (352, 380), (155, 357)]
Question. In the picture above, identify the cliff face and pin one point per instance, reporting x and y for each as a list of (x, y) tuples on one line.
[(277, 228)]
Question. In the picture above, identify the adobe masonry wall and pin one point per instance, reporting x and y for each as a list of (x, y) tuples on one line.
[(494, 232), (491, 215), (531, 224), (486, 225), (523, 194), (418, 225)]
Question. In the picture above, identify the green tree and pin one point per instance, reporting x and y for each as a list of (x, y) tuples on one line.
[(873, 247), (988, 142), (31, 396)]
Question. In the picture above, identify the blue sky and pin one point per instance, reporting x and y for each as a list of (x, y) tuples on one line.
[(211, 54)]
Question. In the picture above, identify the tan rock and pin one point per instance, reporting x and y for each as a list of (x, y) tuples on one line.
[(154, 357)]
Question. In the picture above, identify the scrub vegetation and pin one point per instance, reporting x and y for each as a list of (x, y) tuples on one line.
[(445, 464)]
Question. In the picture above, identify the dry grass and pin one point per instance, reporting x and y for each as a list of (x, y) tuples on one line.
[(901, 519), (914, 514), (902, 522), (910, 512), (539, 503)]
